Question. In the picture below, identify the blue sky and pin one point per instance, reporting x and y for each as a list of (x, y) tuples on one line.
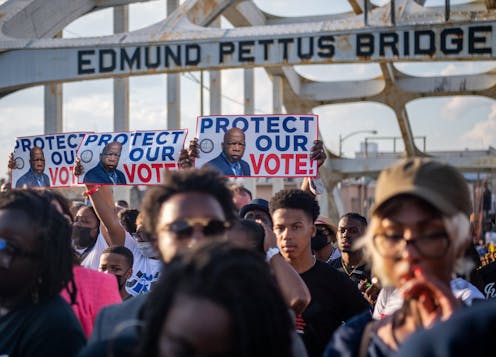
[(451, 123)]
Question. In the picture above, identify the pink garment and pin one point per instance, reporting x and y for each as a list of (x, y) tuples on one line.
[(94, 291)]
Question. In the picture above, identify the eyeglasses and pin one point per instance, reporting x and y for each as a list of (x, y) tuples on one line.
[(9, 251), (38, 160), (184, 228), (235, 143), (431, 246), (111, 154)]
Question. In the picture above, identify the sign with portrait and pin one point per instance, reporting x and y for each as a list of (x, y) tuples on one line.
[(45, 160), (275, 145), (130, 158)]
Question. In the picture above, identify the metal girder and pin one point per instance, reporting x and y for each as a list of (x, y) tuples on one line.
[(24, 26), (490, 4), (78, 59), (35, 19), (471, 161), (393, 89), (358, 6)]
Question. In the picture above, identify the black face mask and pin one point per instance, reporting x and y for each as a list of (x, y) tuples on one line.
[(319, 241), (119, 278), (81, 237)]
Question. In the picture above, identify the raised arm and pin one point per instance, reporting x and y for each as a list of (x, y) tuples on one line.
[(317, 153), (103, 203)]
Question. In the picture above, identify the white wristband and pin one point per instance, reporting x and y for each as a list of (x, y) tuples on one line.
[(271, 252)]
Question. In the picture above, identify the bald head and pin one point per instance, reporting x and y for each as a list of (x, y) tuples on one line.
[(234, 144), (37, 160), (110, 155)]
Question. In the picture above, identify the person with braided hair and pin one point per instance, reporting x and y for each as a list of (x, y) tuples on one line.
[(35, 265), (93, 289)]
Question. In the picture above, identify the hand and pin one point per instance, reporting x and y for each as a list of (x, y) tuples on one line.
[(188, 157), (370, 290), (194, 149), (270, 239), (12, 163), (433, 299), (78, 168), (317, 152)]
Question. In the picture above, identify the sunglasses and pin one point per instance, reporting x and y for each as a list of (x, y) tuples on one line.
[(184, 228)]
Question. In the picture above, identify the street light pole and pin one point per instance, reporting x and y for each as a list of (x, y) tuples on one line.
[(343, 138)]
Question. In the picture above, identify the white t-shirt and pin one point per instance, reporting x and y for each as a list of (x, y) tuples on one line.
[(389, 299), (145, 270)]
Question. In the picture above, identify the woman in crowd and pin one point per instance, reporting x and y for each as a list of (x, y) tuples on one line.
[(418, 231), (35, 265)]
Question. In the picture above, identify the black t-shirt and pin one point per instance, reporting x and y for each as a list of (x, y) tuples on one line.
[(45, 329), (485, 280), (335, 299), (361, 272)]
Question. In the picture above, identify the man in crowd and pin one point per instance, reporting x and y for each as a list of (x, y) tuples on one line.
[(106, 171), (352, 226), (334, 297), (35, 177), (229, 162)]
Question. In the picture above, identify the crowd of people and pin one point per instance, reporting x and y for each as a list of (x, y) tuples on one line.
[(205, 269)]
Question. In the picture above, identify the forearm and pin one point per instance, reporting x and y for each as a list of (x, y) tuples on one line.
[(103, 204), (293, 288)]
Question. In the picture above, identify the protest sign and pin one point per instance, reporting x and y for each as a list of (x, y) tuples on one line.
[(130, 158), (45, 160), (275, 145)]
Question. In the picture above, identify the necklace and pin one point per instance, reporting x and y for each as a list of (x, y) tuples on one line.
[(349, 273)]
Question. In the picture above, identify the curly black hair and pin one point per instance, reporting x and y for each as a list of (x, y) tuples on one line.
[(236, 279), (296, 199), (204, 180)]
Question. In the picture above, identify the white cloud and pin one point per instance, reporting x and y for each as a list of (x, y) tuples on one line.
[(89, 113), (458, 107), (483, 133)]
